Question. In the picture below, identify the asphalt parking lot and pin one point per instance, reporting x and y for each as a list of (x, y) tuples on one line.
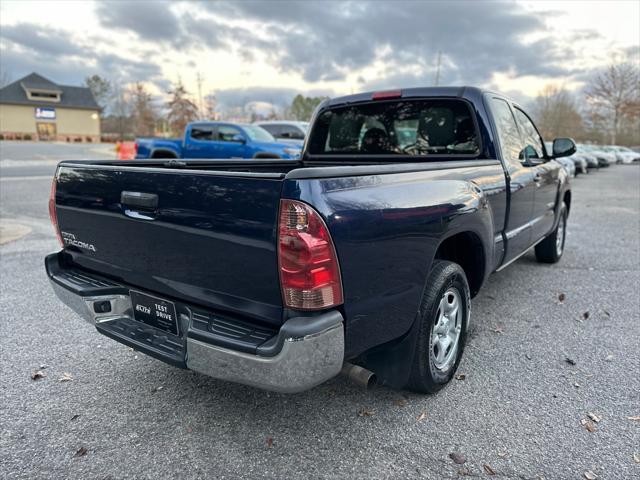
[(534, 369)]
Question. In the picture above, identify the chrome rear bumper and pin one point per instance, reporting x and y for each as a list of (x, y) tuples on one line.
[(306, 351)]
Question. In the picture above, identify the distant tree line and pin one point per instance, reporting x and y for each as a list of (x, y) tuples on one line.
[(608, 111), (129, 112)]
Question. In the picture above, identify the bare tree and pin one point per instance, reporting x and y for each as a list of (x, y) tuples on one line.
[(121, 109), (210, 104), (143, 111), (611, 92), (557, 114), (181, 109)]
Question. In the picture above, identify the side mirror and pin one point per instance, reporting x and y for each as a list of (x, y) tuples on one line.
[(237, 138), (563, 147)]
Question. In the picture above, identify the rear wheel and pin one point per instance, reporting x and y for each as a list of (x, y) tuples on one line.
[(550, 250), (442, 330)]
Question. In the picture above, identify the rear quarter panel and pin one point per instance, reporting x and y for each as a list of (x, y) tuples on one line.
[(387, 229)]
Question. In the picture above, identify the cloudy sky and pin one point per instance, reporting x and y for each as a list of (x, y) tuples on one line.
[(270, 50)]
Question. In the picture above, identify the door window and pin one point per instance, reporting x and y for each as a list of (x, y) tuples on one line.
[(289, 131), (227, 134), (533, 147), (273, 129), (508, 134)]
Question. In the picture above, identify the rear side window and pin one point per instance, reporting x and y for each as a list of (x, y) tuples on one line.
[(407, 127), (202, 133)]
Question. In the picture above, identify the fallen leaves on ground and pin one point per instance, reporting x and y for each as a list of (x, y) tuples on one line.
[(498, 329), (421, 417), (66, 377), (635, 418), (37, 375), (589, 475), (81, 452), (594, 417), (570, 361), (585, 315), (457, 458), (464, 471), (588, 424), (157, 389), (366, 412), (488, 469), (461, 376), (269, 442), (608, 358), (400, 402), (636, 457), (75, 417), (561, 297), (502, 454)]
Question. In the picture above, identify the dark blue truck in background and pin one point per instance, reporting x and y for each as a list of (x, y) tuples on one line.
[(217, 140), (360, 256)]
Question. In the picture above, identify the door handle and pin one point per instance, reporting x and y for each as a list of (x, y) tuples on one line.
[(144, 205), (139, 199)]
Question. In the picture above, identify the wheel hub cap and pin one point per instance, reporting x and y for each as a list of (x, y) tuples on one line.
[(446, 329), (560, 237)]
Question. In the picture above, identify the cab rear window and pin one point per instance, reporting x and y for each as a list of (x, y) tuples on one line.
[(399, 127)]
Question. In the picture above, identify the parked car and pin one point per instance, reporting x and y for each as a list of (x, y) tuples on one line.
[(623, 154), (286, 131), (280, 275), (604, 158), (580, 163), (217, 140), (585, 152), (566, 162)]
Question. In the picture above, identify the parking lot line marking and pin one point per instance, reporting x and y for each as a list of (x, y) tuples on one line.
[(27, 177)]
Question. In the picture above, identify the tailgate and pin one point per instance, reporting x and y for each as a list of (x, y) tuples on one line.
[(204, 237)]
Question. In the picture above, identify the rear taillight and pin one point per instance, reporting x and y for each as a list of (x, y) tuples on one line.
[(52, 211), (309, 270)]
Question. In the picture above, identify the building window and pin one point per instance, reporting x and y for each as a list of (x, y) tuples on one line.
[(44, 96)]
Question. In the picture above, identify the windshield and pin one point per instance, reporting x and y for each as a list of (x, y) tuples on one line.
[(258, 134), (401, 127)]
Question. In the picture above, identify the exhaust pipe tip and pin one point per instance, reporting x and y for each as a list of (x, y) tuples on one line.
[(359, 375)]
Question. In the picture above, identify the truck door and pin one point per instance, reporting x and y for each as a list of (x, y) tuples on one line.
[(198, 141), (231, 143), (521, 180), (546, 176)]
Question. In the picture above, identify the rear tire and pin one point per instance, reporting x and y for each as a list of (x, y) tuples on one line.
[(442, 329), (550, 250)]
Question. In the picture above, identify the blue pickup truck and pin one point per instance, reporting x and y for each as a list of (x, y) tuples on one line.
[(217, 140), (360, 257)]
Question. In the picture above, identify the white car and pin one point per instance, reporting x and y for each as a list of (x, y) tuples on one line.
[(623, 154), (566, 162), (286, 130)]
